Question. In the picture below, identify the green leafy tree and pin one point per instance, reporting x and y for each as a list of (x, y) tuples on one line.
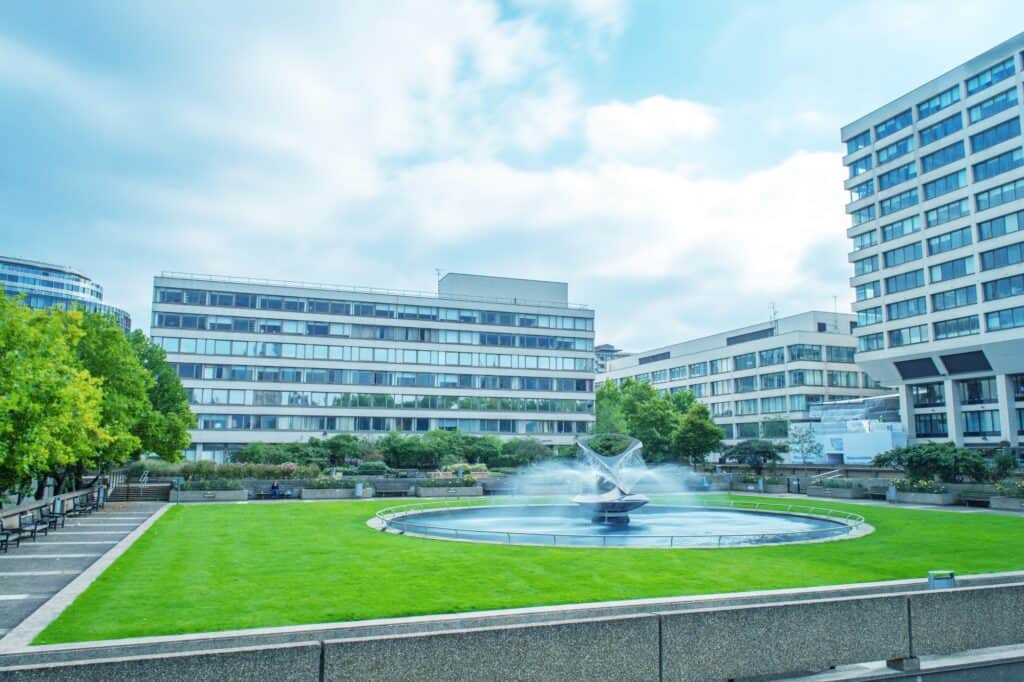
[(608, 416), (406, 452), (755, 453), (484, 449), (650, 418), (164, 429), (926, 461), (50, 407), (697, 435), (683, 400), (520, 452), (608, 444)]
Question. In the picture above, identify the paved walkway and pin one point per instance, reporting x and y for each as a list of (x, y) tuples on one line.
[(35, 571)]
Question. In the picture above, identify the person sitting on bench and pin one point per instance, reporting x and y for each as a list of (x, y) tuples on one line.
[(275, 489)]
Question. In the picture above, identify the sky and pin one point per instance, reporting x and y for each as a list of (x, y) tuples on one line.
[(677, 163)]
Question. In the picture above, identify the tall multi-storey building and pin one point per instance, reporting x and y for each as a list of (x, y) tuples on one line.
[(278, 361), (55, 286), (756, 380), (604, 353), (936, 181)]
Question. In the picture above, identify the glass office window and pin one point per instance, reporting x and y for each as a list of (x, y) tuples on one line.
[(895, 150), (771, 356), (745, 361), (870, 342), (865, 240), (894, 124), (961, 326), (943, 128), (840, 354), (939, 102), (949, 241), (945, 184), (976, 391), (998, 165), (903, 254), (861, 165), (932, 394), (953, 269), (931, 425), (904, 281), (901, 227), (993, 105), (869, 316), (954, 298), (868, 290), (942, 157), (981, 423), (773, 380), (858, 142), (908, 336), (804, 352), (997, 227), (1002, 257), (997, 196), (1011, 318), (863, 215), (990, 137), (896, 176), (864, 189), (943, 214), (991, 76), (1006, 287), (898, 202), (909, 308)]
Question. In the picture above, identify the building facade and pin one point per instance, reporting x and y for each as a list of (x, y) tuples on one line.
[(605, 353), (757, 380), (45, 285), (854, 431), (936, 181), (280, 362)]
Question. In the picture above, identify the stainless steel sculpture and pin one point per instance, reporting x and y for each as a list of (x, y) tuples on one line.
[(615, 476)]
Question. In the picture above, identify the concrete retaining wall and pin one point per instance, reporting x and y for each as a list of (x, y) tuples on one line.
[(210, 496), (1006, 503), (466, 491), (946, 621)]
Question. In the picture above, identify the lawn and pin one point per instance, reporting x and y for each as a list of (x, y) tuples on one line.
[(218, 567)]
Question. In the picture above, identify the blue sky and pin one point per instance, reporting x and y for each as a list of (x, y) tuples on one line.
[(677, 163)]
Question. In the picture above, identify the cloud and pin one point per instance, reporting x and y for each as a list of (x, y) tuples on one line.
[(653, 127)]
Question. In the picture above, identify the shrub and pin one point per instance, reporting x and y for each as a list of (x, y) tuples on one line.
[(1003, 463), (925, 461), (330, 483), (463, 482), (469, 468), (1011, 488), (608, 444), (211, 484), (210, 470), (907, 485), (373, 469)]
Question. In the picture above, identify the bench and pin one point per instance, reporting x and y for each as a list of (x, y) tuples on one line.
[(28, 524), (8, 534), (268, 494)]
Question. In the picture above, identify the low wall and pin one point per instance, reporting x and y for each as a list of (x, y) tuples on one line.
[(433, 491), (209, 495), (1006, 503), (334, 493), (947, 498), (836, 493)]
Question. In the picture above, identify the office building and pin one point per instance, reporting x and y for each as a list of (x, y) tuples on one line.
[(936, 182), (267, 361), (604, 353), (45, 285), (854, 431), (757, 380)]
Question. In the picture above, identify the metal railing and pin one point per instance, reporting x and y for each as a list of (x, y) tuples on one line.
[(402, 514)]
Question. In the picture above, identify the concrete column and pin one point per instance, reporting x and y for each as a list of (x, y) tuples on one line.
[(1007, 410), (907, 412), (956, 433)]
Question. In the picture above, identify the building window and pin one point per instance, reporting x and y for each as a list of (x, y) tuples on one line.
[(938, 102), (898, 202), (864, 189), (861, 165), (894, 124), (721, 409), (859, 142), (954, 298), (961, 267), (865, 240), (909, 308), (773, 380), (931, 425), (869, 290), (941, 129), (772, 356), (903, 254), (720, 366), (746, 407), (981, 423), (990, 137), (1017, 382), (806, 377), (1002, 257), (698, 390), (698, 369), (900, 227), (949, 241), (997, 227), (659, 376), (976, 391), (840, 354), (908, 336), (675, 373), (802, 403), (843, 379), (928, 395), (1005, 287), (991, 76), (869, 316), (961, 326), (896, 176), (870, 342), (865, 266), (1005, 319), (998, 196), (945, 184), (943, 214), (992, 106), (904, 281), (773, 405), (723, 387), (997, 165), (745, 384), (747, 430), (804, 352), (942, 157), (863, 215), (745, 361)]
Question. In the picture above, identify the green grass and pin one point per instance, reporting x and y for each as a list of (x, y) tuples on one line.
[(217, 567)]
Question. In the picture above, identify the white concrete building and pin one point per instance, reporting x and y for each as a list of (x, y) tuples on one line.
[(757, 380), (268, 361), (936, 179)]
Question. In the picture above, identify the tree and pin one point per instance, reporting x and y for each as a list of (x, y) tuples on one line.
[(683, 400), (697, 435), (803, 442), (650, 418), (608, 409), (521, 451), (50, 407), (926, 461), (755, 453), (406, 452), (484, 449), (164, 429)]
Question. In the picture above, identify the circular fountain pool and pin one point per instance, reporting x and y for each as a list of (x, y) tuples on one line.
[(650, 526)]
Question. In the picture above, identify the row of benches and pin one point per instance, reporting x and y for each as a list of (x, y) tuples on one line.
[(46, 517)]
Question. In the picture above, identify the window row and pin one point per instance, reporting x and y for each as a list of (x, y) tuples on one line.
[(362, 309), (364, 354), (324, 424)]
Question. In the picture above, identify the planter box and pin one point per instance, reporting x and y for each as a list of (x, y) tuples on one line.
[(775, 488), (926, 498), (468, 491), (1007, 503), (210, 495), (334, 493), (836, 493)]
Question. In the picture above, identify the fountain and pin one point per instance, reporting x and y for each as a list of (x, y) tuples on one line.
[(614, 479)]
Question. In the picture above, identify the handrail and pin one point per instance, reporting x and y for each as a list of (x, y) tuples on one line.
[(827, 475), (849, 519)]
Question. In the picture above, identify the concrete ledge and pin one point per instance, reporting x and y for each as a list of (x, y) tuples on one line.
[(603, 649), (947, 621), (288, 662), (211, 496), (778, 639)]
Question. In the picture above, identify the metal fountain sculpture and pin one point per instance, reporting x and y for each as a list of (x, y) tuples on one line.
[(615, 476)]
